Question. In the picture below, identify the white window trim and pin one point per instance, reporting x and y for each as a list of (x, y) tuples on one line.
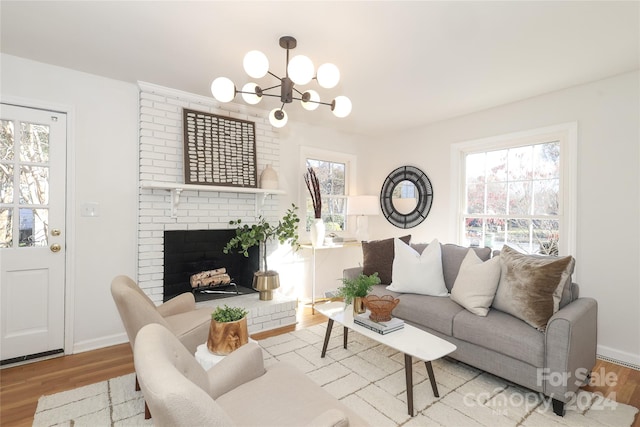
[(566, 133), (333, 156)]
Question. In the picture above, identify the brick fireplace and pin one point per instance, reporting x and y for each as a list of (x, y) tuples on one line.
[(162, 210)]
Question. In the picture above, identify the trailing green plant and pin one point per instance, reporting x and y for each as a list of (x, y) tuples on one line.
[(228, 314), (357, 287), (258, 234)]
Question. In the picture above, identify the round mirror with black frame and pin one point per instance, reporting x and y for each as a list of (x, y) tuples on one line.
[(406, 197)]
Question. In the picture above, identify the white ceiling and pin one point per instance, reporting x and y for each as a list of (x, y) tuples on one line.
[(403, 64)]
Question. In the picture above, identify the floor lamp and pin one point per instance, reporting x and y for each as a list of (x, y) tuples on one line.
[(362, 207)]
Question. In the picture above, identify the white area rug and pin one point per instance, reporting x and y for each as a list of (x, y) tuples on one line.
[(369, 378)]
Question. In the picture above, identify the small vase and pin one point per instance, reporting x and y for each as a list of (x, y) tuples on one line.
[(269, 178), (225, 337), (317, 232), (358, 305)]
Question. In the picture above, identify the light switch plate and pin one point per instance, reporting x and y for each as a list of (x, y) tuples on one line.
[(90, 209)]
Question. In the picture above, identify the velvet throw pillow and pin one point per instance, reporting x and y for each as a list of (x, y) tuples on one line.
[(416, 273), (476, 284), (377, 257), (531, 286)]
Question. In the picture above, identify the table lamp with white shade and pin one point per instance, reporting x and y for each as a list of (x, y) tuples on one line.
[(362, 207)]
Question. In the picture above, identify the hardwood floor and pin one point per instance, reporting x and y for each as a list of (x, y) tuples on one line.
[(22, 386)]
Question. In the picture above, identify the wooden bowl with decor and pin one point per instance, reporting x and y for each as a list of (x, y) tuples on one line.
[(380, 307)]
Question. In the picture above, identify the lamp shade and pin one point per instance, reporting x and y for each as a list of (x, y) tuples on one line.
[(341, 106), (276, 119), (223, 89), (314, 98), (328, 75), (363, 205), (300, 70), (249, 93), (256, 64)]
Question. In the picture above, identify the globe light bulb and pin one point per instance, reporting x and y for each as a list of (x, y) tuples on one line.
[(256, 64), (278, 118), (300, 70), (223, 89), (251, 97), (328, 75), (341, 106), (313, 97)]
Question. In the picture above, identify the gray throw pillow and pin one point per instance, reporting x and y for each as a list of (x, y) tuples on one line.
[(531, 286)]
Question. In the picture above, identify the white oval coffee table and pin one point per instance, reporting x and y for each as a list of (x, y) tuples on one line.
[(411, 341)]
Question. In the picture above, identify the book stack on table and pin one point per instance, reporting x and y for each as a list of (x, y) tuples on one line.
[(380, 327)]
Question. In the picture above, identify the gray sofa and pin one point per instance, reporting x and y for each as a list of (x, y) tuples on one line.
[(555, 362)]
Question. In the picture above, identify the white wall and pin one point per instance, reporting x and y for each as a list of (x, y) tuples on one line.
[(608, 233), (104, 149)]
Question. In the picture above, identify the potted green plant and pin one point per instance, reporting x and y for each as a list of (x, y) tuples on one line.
[(247, 236), (228, 330), (354, 289)]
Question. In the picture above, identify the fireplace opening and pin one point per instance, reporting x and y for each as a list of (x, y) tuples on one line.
[(189, 252)]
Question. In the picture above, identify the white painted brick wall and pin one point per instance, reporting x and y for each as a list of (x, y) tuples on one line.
[(161, 159)]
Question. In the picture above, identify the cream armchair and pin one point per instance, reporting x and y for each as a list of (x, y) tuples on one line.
[(179, 314), (238, 391)]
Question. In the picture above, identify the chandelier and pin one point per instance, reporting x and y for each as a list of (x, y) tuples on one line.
[(298, 71)]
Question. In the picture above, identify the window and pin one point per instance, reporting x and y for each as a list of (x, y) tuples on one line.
[(334, 172), (518, 190)]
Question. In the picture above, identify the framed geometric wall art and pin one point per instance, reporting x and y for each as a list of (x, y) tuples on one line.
[(219, 150)]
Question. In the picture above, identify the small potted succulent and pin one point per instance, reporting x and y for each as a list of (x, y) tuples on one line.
[(353, 290), (228, 330)]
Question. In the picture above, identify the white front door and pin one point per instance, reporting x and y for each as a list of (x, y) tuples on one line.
[(32, 232)]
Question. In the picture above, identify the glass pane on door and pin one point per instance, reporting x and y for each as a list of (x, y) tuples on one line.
[(6, 228), (33, 227), (34, 144), (34, 185), (6, 140)]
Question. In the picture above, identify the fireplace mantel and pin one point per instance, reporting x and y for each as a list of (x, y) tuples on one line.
[(177, 188)]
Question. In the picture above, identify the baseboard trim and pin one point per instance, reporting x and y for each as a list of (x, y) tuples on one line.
[(618, 357), (96, 343)]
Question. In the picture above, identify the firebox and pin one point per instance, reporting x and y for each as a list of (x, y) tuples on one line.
[(189, 252)]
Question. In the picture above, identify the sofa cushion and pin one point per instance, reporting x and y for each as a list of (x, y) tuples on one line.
[(502, 333), (570, 290), (531, 287), (452, 256), (417, 273), (436, 313), (476, 284), (377, 256)]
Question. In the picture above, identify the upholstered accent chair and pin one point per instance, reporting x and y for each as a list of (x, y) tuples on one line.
[(179, 314), (238, 391)]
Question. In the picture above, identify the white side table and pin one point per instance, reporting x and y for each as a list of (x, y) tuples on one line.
[(208, 360), (314, 249)]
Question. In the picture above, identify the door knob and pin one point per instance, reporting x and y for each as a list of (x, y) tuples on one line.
[(55, 247), (55, 232)]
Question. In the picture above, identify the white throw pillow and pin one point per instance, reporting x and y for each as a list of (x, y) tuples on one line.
[(477, 283), (416, 273)]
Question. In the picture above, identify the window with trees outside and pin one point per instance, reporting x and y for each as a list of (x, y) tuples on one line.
[(518, 191), (334, 171)]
